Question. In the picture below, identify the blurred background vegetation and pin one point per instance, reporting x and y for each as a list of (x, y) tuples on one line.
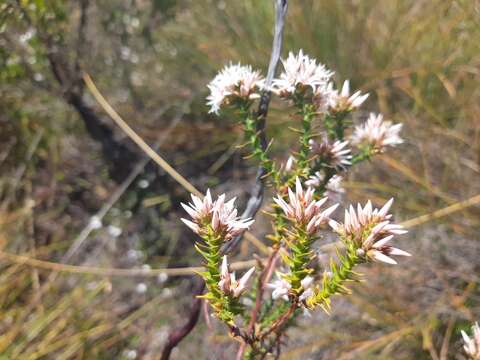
[(75, 190)]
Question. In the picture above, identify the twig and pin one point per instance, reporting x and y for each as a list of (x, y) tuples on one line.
[(262, 281), (137, 139), (277, 325), (178, 334), (256, 197), (92, 270)]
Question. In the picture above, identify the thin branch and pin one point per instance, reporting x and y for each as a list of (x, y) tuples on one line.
[(81, 40), (256, 198), (262, 281), (56, 268), (179, 334)]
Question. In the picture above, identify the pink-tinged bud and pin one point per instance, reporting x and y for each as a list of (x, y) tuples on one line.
[(377, 133), (371, 231), (336, 154), (303, 209), (228, 283), (242, 283), (225, 280), (191, 225), (220, 215), (289, 164), (280, 287), (379, 256), (343, 102)]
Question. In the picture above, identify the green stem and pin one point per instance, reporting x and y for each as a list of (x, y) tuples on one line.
[(301, 255), (364, 154), (224, 305), (308, 114), (258, 146), (334, 281)]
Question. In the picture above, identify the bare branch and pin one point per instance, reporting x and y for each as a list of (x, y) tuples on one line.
[(256, 198)]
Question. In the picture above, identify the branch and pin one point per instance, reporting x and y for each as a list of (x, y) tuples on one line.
[(178, 334), (81, 40), (256, 198)]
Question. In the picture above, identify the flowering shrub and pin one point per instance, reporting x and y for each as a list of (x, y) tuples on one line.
[(307, 188)]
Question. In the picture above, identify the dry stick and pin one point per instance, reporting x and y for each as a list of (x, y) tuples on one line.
[(136, 138), (262, 281), (91, 270), (178, 334), (256, 198), (281, 7)]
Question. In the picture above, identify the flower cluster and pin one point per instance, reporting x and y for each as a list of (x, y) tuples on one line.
[(377, 133), (300, 73), (343, 101), (370, 230), (219, 215), (303, 209), (472, 344), (234, 82), (336, 155), (281, 287), (228, 283), (333, 186), (320, 161)]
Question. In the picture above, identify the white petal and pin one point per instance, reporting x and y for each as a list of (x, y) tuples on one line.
[(398, 252), (191, 225), (384, 210), (382, 242), (377, 255)]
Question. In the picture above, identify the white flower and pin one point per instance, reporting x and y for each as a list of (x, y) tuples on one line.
[(114, 231), (232, 83), (315, 180), (377, 133), (141, 288), (334, 185), (323, 96), (300, 72), (304, 209), (220, 215), (370, 229), (289, 164), (336, 155), (343, 102), (95, 222), (228, 283), (280, 287), (472, 344), (306, 283)]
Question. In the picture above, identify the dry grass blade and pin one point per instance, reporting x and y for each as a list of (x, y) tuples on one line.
[(153, 155), (475, 200), (90, 270), (137, 139)]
